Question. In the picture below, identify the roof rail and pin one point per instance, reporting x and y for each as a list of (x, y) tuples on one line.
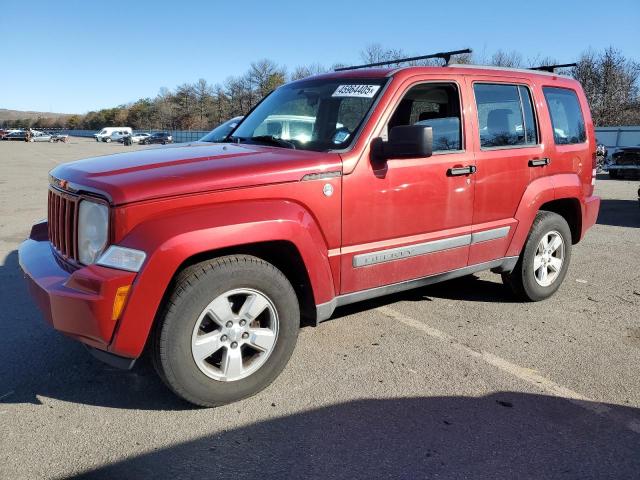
[(446, 56), (552, 68)]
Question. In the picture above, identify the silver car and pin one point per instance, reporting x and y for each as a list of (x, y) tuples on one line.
[(41, 137)]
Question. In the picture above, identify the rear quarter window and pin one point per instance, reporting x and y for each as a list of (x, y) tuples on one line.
[(566, 116)]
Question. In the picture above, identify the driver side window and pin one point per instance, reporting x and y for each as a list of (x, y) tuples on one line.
[(436, 105)]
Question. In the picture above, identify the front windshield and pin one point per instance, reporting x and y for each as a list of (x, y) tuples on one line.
[(318, 115)]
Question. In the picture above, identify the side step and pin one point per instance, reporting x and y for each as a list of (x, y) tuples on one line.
[(325, 310)]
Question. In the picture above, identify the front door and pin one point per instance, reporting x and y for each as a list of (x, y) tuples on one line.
[(410, 218)]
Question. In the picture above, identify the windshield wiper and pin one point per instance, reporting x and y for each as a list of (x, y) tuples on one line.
[(272, 140)]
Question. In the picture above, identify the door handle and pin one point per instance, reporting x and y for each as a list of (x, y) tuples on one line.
[(456, 171), (539, 162)]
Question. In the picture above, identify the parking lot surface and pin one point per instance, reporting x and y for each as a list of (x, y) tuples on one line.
[(456, 380)]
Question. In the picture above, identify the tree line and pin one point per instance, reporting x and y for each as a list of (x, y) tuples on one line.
[(610, 80)]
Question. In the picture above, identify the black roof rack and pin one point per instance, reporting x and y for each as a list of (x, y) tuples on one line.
[(552, 68), (446, 56)]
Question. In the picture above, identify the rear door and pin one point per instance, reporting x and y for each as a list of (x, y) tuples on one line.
[(509, 155)]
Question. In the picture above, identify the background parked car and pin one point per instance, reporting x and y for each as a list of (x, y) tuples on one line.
[(158, 137), (106, 133), (626, 161), (40, 136), (59, 137), (116, 136), (19, 135), (221, 132), (137, 137)]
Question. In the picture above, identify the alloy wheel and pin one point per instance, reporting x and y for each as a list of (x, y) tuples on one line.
[(235, 334), (549, 258)]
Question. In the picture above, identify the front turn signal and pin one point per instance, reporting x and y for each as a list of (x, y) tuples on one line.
[(119, 301)]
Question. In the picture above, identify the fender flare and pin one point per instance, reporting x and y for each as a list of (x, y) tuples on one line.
[(172, 239), (539, 192)]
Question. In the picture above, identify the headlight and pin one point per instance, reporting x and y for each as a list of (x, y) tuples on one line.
[(93, 230)]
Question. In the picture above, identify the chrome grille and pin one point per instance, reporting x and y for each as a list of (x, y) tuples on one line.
[(63, 220)]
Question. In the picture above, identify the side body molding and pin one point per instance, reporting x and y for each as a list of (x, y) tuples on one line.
[(173, 238)]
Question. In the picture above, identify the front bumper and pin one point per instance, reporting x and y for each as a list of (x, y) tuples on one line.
[(75, 301)]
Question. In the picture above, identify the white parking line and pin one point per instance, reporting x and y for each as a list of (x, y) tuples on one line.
[(525, 374)]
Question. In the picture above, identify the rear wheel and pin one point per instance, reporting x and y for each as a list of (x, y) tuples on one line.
[(108, 140), (229, 328), (613, 174), (544, 260)]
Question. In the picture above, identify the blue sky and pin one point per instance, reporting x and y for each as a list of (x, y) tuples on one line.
[(74, 56)]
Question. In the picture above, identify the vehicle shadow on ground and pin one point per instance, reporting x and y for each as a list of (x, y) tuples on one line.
[(469, 288), (619, 213), (39, 362), (504, 435)]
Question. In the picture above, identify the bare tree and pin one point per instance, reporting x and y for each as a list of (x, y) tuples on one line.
[(264, 76), (610, 82), (304, 71), (374, 53), (510, 59), (204, 96), (463, 59)]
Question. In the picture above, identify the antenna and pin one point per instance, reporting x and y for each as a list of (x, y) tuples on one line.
[(552, 68), (446, 56)]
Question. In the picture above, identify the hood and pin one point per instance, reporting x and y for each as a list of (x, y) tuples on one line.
[(191, 168)]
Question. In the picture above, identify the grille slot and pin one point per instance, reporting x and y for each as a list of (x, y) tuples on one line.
[(62, 220)]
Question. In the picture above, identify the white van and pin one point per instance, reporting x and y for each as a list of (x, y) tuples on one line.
[(106, 134)]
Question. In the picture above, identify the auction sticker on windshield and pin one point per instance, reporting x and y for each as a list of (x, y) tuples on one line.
[(360, 91)]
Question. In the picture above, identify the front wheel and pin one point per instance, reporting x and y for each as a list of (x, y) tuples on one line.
[(228, 330), (108, 140), (544, 260)]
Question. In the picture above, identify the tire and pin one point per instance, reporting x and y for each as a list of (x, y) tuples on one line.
[(108, 140), (205, 286), (525, 282), (613, 174)]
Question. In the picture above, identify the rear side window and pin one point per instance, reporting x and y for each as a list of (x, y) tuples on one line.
[(566, 116), (505, 115)]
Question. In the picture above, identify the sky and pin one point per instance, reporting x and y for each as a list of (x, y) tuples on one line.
[(76, 56)]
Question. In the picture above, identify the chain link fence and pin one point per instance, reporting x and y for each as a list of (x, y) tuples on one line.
[(179, 136)]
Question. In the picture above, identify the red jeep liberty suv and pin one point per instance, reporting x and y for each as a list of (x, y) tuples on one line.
[(334, 189)]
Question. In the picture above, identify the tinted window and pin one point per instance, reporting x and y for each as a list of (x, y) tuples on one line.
[(531, 131), (505, 115), (436, 105), (566, 116)]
